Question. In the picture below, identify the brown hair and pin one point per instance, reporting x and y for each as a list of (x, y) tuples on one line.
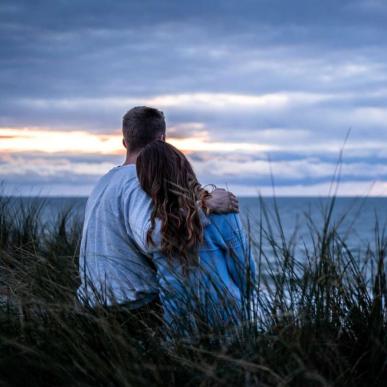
[(167, 177), (142, 125)]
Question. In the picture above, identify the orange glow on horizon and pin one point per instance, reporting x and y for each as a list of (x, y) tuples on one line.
[(53, 141), (82, 142)]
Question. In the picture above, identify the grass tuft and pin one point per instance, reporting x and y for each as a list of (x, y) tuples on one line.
[(316, 313)]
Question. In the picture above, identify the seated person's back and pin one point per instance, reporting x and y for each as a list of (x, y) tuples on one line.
[(113, 264)]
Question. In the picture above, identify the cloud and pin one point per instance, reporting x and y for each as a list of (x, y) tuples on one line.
[(213, 102), (353, 188), (239, 82), (222, 170), (242, 172), (50, 141)]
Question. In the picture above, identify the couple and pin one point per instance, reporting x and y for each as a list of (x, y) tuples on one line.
[(154, 240)]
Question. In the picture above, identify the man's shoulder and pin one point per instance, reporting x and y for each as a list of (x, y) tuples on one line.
[(114, 183), (122, 173), (118, 177)]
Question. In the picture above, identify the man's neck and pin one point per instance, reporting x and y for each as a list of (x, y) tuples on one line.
[(130, 158)]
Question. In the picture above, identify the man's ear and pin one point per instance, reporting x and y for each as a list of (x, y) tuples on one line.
[(162, 137), (124, 143)]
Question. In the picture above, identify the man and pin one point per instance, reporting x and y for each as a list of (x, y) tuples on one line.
[(114, 266)]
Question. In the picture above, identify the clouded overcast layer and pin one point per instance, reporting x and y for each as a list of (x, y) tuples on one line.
[(240, 82)]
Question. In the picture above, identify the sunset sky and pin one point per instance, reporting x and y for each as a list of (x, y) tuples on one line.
[(248, 88)]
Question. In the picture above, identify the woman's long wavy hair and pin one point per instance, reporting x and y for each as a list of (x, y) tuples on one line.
[(167, 177)]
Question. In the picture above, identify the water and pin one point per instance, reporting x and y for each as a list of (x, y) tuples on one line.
[(295, 213), (355, 218)]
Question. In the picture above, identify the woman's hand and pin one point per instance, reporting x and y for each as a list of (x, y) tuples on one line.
[(221, 202)]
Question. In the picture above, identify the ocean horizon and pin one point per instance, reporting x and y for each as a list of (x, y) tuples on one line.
[(356, 218)]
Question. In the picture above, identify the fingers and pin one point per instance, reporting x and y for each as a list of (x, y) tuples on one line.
[(225, 201), (234, 208), (234, 204), (232, 196)]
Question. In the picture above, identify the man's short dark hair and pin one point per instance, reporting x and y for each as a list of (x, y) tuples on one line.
[(141, 126)]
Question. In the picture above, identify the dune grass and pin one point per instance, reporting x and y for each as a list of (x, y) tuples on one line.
[(317, 316)]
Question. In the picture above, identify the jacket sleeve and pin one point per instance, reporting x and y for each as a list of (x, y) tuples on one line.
[(240, 260)]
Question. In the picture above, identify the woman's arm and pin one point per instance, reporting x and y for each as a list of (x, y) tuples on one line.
[(240, 262)]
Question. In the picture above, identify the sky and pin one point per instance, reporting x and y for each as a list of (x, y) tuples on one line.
[(254, 92)]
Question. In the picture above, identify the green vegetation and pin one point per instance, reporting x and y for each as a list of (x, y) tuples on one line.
[(318, 315)]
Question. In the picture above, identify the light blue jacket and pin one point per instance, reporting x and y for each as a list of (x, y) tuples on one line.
[(217, 288)]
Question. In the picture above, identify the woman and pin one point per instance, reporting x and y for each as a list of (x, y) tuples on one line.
[(204, 267)]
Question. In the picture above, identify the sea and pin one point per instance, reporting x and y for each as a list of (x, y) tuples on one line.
[(357, 220)]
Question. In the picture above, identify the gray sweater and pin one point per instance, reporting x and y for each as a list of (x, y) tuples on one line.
[(113, 261)]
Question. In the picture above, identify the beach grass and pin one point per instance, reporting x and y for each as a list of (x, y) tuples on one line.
[(316, 315)]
